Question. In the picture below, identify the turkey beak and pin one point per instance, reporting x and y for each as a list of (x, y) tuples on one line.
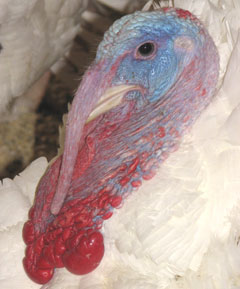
[(111, 98), (93, 97)]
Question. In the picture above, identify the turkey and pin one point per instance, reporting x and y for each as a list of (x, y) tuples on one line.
[(179, 229)]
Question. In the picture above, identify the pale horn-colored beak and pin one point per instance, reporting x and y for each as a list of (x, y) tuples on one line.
[(111, 98)]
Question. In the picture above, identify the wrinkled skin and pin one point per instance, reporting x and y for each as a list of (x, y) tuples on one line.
[(165, 85)]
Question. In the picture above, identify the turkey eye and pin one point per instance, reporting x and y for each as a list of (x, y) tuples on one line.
[(146, 49)]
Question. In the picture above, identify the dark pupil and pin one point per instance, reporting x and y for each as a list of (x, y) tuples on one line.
[(146, 49)]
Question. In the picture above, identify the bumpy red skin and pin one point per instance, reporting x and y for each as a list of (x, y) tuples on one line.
[(120, 149), (72, 239)]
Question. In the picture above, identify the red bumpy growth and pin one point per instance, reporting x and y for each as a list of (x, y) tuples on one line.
[(68, 241)]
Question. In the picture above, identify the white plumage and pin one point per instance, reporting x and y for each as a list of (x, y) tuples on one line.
[(182, 228), (34, 34)]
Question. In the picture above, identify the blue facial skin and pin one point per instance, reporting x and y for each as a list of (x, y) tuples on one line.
[(184, 62), (171, 100), (158, 73), (162, 77)]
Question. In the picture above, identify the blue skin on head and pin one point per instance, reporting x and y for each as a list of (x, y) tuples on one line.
[(178, 80), (184, 61), (159, 73), (176, 41), (171, 101)]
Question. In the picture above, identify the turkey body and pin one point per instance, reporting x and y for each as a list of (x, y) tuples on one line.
[(173, 231), (34, 35)]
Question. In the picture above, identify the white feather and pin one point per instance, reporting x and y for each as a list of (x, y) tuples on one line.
[(16, 197), (34, 34)]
